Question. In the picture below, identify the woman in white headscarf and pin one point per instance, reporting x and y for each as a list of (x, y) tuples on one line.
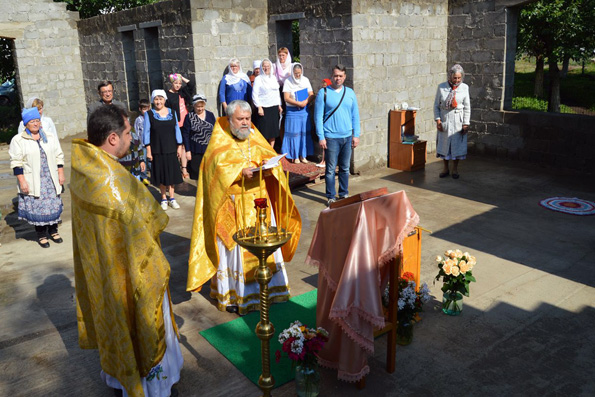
[(452, 112), (46, 123), (163, 140), (283, 65), (234, 85), (266, 98), (298, 93)]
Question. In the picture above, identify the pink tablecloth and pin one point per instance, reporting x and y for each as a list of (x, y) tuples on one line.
[(350, 246)]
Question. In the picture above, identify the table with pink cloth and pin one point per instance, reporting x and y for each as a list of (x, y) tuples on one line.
[(351, 247)]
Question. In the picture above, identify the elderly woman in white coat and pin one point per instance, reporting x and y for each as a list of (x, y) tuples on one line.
[(452, 112), (37, 161)]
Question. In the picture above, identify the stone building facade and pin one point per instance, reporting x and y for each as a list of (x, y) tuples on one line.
[(482, 38), (47, 59), (138, 48)]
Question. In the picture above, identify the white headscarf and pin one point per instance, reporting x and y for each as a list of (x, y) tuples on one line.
[(269, 81), (30, 101), (232, 78), (283, 71), (158, 93), (292, 84)]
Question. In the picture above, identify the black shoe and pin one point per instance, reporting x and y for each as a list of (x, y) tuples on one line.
[(444, 174), (43, 242), (231, 309), (56, 238), (455, 176)]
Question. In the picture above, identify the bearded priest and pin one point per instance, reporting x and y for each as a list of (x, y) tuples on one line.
[(122, 296), (227, 187)]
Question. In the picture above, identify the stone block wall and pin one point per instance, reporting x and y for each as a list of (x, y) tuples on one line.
[(48, 59), (161, 34), (399, 55), (482, 38), (325, 35), (225, 29)]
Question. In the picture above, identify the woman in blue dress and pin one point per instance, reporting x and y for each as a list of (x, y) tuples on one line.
[(297, 91), (234, 85)]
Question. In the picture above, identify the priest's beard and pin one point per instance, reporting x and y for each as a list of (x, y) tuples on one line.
[(241, 133)]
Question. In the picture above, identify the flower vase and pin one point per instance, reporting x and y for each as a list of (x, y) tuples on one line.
[(404, 333), (307, 380), (452, 303)]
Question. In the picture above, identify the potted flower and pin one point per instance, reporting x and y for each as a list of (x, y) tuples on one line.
[(301, 345), (455, 269), (409, 304)]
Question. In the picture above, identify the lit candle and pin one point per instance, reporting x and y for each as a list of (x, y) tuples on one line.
[(243, 208), (287, 202), (260, 182), (278, 219)]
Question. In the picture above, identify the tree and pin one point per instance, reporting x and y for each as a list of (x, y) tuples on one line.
[(556, 30), (91, 8), (7, 68)]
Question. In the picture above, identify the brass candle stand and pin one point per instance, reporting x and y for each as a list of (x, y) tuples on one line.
[(261, 241)]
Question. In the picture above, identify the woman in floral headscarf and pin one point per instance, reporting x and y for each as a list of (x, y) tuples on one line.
[(266, 99), (234, 85), (452, 112), (297, 90), (177, 97)]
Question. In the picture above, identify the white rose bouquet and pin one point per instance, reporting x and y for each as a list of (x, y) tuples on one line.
[(455, 268)]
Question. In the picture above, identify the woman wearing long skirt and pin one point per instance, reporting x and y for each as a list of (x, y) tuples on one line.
[(266, 98), (297, 142)]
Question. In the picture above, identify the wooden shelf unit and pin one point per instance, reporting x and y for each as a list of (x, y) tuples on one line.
[(401, 156)]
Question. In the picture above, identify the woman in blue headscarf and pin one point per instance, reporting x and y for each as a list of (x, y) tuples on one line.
[(37, 161), (234, 85)]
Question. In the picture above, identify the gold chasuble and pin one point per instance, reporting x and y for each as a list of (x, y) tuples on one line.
[(120, 271), (218, 210)]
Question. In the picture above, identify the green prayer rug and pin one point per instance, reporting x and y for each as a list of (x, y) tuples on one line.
[(238, 342)]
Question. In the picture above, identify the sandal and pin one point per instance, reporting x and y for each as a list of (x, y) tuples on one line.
[(185, 173), (56, 238), (43, 242)]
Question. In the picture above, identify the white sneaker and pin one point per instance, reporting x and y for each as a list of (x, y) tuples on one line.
[(174, 204), (164, 205)]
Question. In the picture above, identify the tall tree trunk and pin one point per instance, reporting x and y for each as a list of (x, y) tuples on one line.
[(554, 97), (538, 88), (565, 64)]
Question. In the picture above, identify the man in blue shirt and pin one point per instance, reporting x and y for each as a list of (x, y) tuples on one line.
[(337, 125)]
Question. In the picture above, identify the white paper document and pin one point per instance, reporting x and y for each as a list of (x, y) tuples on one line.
[(272, 163)]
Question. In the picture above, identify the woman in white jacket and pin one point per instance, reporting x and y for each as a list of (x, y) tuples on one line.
[(452, 112), (37, 161)]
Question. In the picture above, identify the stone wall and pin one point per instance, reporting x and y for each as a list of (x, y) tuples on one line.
[(224, 29), (399, 55), (47, 59), (482, 38), (136, 49)]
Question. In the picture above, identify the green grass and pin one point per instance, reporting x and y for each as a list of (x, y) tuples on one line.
[(576, 89)]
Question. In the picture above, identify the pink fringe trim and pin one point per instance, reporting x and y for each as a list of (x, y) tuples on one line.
[(342, 375)]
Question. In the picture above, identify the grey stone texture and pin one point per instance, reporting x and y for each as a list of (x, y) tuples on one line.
[(156, 39), (48, 59), (482, 38)]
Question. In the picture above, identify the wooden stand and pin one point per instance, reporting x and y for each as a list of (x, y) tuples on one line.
[(401, 156), (410, 261)]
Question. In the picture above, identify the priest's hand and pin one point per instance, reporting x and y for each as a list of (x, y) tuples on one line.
[(247, 173)]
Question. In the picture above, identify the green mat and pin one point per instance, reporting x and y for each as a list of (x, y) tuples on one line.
[(237, 341)]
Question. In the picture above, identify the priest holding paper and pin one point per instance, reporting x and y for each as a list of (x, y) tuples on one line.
[(229, 181)]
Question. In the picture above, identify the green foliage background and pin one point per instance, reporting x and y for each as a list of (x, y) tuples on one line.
[(91, 8)]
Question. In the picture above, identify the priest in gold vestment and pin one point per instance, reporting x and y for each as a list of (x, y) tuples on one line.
[(121, 274), (234, 149)]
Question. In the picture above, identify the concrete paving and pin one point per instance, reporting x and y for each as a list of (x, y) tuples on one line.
[(526, 329)]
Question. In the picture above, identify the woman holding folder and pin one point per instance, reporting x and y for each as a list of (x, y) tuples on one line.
[(298, 93)]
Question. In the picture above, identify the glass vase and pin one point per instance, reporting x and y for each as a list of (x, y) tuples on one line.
[(404, 333), (452, 303), (307, 380)]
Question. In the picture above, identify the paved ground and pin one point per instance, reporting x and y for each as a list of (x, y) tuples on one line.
[(527, 328)]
